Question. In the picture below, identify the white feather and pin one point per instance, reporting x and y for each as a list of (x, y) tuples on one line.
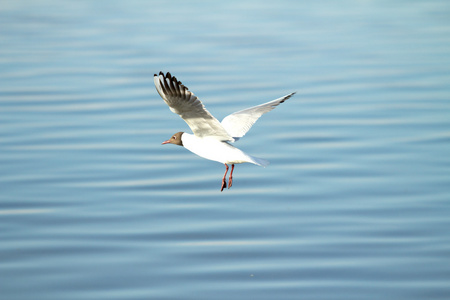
[(239, 123), (184, 103)]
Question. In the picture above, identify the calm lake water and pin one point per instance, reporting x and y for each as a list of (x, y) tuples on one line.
[(354, 205)]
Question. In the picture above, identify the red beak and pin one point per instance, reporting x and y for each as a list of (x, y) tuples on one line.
[(165, 142)]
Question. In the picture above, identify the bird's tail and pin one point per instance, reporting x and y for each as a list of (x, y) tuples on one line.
[(260, 161)]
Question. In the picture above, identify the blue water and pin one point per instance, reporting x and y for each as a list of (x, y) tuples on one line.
[(354, 205)]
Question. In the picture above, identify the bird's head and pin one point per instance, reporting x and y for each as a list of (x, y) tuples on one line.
[(175, 139)]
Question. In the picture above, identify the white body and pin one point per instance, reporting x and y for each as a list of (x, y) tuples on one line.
[(223, 152)]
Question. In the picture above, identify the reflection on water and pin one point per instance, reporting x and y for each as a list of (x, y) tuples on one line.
[(354, 204)]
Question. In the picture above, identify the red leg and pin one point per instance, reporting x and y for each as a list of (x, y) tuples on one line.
[(224, 181), (230, 180)]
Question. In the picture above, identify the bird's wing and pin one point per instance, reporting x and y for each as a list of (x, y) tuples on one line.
[(237, 124), (184, 103)]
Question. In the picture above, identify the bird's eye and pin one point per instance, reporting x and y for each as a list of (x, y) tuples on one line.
[(174, 137)]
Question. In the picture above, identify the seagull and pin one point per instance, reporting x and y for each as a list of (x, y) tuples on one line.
[(211, 139)]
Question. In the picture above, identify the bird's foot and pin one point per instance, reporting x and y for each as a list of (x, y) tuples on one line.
[(224, 185)]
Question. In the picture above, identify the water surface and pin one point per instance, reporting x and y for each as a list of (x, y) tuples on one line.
[(354, 205)]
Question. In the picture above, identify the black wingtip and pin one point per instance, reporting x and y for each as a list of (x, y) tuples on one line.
[(173, 81), (287, 97), (167, 75)]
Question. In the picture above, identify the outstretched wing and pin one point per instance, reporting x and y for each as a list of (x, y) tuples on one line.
[(184, 103), (237, 124)]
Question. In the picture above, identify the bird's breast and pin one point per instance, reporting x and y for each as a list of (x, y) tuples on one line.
[(213, 149)]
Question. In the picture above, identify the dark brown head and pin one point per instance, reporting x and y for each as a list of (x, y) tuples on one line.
[(175, 139)]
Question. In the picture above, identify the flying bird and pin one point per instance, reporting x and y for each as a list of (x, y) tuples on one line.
[(211, 139)]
